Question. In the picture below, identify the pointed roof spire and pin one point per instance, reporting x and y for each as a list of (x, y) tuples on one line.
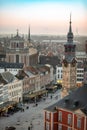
[(70, 28), (29, 39), (17, 32), (70, 34)]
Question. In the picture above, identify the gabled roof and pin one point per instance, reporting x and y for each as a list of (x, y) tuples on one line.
[(7, 76), (32, 69), (76, 100), (22, 74), (43, 68)]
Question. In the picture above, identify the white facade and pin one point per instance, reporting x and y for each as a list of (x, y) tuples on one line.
[(5, 93), (15, 90), (81, 56), (80, 76), (59, 74), (1, 94), (14, 71)]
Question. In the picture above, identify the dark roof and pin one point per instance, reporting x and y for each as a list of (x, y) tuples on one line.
[(11, 65), (7, 76), (84, 110), (52, 60), (17, 37), (74, 101)]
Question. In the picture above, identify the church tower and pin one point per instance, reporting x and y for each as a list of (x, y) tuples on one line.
[(69, 64), (29, 41), (29, 38)]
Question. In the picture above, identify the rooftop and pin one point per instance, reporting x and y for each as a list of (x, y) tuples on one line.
[(74, 101), (11, 65)]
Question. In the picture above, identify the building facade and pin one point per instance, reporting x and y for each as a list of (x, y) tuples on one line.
[(18, 52), (81, 53), (81, 74), (70, 113), (2, 53), (11, 87), (14, 68)]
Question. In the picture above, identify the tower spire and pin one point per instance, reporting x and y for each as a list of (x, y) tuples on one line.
[(70, 28), (17, 32), (70, 34), (29, 39)]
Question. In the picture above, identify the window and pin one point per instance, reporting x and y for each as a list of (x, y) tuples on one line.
[(60, 116), (68, 128), (47, 126), (58, 76), (47, 115), (69, 119), (78, 123), (17, 45), (59, 126), (17, 58)]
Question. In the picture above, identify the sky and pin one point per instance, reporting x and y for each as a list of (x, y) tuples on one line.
[(43, 16)]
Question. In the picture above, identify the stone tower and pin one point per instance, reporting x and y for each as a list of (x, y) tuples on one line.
[(69, 64)]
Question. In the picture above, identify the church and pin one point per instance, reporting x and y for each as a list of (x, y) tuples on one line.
[(18, 52)]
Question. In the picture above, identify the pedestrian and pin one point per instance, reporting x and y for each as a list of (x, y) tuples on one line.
[(28, 127)]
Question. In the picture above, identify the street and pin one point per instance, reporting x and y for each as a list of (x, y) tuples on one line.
[(34, 116)]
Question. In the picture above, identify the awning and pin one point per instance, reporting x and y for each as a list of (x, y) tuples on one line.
[(35, 94), (7, 105)]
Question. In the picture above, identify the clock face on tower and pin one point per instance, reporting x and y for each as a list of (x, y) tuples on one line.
[(65, 63), (73, 63)]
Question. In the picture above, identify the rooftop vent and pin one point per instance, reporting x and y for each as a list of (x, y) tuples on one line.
[(76, 103)]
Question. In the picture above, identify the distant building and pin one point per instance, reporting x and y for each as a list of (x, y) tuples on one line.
[(81, 51), (70, 113), (2, 53), (80, 74), (69, 64), (49, 59), (11, 67), (17, 52), (85, 73)]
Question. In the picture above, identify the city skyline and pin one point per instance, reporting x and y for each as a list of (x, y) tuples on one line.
[(43, 17)]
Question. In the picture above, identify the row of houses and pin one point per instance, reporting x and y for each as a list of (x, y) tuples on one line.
[(28, 82)]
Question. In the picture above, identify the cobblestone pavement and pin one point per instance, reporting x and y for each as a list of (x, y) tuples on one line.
[(22, 120)]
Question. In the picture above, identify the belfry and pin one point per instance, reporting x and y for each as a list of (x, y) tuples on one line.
[(69, 64)]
